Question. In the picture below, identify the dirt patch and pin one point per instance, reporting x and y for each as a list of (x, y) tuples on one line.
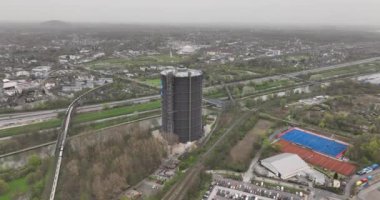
[(243, 150)]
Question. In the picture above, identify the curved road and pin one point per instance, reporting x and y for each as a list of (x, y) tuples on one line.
[(354, 179)]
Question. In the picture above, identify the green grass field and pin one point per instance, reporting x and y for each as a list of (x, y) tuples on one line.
[(139, 61), (272, 84), (105, 124), (216, 94), (16, 186), (114, 112), (356, 69), (53, 123), (153, 82)]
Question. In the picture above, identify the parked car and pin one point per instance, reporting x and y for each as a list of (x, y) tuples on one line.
[(375, 166), (364, 180), (364, 171), (358, 183)]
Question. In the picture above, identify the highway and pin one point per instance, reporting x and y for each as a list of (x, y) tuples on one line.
[(17, 119)]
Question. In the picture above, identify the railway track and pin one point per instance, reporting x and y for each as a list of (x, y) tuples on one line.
[(178, 191)]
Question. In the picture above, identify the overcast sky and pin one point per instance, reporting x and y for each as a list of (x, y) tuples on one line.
[(325, 12)]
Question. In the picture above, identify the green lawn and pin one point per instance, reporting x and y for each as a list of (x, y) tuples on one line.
[(113, 112), (355, 69), (16, 186), (105, 124), (153, 82), (53, 123), (138, 61), (272, 84), (216, 94)]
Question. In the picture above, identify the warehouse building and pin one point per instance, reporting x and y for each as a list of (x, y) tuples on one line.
[(285, 165)]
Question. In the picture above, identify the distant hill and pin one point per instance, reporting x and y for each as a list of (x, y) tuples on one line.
[(55, 23)]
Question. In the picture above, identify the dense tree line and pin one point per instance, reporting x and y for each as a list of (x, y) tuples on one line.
[(365, 149), (102, 166)]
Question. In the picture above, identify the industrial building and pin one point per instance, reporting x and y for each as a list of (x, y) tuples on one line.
[(285, 165), (182, 103)]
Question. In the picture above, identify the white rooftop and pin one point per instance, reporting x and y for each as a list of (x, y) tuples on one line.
[(285, 164), (41, 68), (182, 72)]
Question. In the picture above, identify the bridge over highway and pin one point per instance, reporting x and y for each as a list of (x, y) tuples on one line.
[(61, 140)]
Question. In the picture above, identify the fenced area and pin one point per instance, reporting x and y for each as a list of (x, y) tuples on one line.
[(317, 159), (315, 142)]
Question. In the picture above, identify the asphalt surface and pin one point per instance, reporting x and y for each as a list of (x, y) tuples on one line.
[(370, 193), (356, 178)]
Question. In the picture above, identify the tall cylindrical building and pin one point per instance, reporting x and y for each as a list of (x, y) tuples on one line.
[(182, 103)]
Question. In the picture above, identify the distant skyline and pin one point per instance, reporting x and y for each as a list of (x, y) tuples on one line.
[(294, 12)]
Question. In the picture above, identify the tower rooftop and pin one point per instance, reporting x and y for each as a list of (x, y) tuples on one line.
[(182, 72)]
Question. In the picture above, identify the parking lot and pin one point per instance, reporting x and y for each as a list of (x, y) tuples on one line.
[(219, 192), (231, 189)]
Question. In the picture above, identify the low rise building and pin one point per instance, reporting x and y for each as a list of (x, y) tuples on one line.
[(41, 71), (291, 166), (285, 165), (22, 73)]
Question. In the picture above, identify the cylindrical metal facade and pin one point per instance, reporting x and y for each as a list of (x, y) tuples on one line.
[(182, 103)]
